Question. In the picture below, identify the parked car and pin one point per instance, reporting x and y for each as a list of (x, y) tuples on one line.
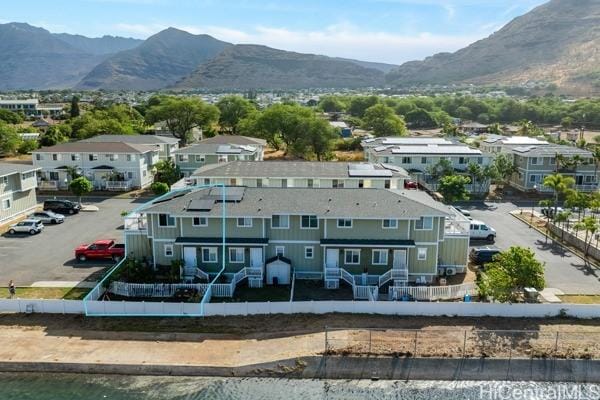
[(62, 206), (31, 226), (48, 217), (411, 185), (464, 212), (549, 211), (482, 255), (480, 230), (100, 249)]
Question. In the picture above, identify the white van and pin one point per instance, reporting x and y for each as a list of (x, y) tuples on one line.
[(480, 230)]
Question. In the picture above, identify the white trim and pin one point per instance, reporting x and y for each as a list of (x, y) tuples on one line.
[(346, 251), (385, 251), (210, 250), (245, 219), (166, 247), (419, 255), (167, 226), (312, 251), (344, 220), (309, 216), (389, 227), (237, 249), (277, 248), (200, 225), (280, 227), (423, 229)]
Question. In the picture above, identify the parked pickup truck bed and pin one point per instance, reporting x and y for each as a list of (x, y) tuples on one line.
[(106, 248)]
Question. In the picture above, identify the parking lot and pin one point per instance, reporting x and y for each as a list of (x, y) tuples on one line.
[(564, 270), (49, 256)]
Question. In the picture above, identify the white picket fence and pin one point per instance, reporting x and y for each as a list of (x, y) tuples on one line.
[(433, 293), (158, 290)]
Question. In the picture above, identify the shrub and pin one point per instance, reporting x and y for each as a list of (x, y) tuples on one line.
[(159, 188)]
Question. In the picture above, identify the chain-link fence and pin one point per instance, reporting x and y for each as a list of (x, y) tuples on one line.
[(462, 343)]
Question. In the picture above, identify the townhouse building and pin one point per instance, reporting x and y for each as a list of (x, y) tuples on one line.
[(17, 190), (374, 236), (166, 145), (534, 163), (495, 144), (108, 165), (307, 174), (218, 149)]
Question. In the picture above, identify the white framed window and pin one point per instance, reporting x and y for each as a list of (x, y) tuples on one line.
[(406, 160), (168, 250), (280, 221), (534, 160), (129, 157), (361, 183), (199, 221), (129, 175), (244, 222), (209, 254), (259, 182), (207, 181), (380, 257), (424, 224), (309, 222), (337, 184), (534, 178), (55, 157), (352, 256), (74, 157), (38, 157), (236, 255), (422, 253), (309, 252), (389, 224), (344, 223), (284, 183), (310, 183), (6, 204), (113, 157), (280, 251), (199, 158), (182, 157), (165, 220), (93, 157), (423, 160), (387, 184), (233, 182)]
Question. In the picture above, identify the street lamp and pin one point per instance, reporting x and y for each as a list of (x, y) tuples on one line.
[(532, 208)]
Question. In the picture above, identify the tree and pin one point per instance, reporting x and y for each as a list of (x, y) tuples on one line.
[(10, 141), (360, 104), (450, 129), (167, 172), (590, 226), (383, 121), (559, 184), (442, 168), (546, 204), (453, 188), (319, 137), (232, 110), (561, 218), (331, 104), (181, 115), (10, 117), (54, 135), (596, 157), (74, 112), (509, 273), (80, 186), (419, 118), (159, 188), (504, 168)]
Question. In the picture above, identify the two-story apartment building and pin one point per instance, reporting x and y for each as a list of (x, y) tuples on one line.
[(166, 145), (17, 190), (307, 174), (108, 165), (375, 235), (534, 163), (494, 144), (217, 149)]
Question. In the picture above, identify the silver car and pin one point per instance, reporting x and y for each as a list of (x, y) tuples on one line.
[(48, 217), (31, 226)]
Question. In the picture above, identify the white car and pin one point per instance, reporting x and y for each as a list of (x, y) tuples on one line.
[(480, 230), (464, 212), (31, 226), (48, 217)]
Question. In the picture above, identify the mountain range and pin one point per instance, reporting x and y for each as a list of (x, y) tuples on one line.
[(557, 42)]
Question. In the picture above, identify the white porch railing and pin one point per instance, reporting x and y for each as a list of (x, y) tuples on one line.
[(48, 185), (152, 289), (433, 293), (115, 186)]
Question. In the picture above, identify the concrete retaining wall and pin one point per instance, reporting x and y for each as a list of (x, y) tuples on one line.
[(573, 240)]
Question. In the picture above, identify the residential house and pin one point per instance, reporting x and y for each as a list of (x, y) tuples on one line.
[(166, 145), (217, 149), (495, 144), (534, 163), (306, 174), (32, 107), (363, 237), (108, 165), (17, 190)]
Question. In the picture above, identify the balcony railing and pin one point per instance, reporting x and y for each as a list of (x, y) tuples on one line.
[(115, 186), (48, 185), (136, 222)]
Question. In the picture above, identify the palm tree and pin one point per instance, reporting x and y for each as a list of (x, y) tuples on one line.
[(561, 218), (596, 157), (476, 173), (590, 226), (559, 185), (547, 204)]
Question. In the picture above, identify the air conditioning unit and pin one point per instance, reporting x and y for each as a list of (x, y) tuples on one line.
[(441, 271), (450, 271)]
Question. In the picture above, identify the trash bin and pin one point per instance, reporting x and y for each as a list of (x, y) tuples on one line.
[(275, 281)]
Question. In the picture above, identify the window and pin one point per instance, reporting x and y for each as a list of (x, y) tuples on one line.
[(53, 176), (284, 183), (352, 256), (233, 182), (310, 183), (113, 157), (309, 222), (55, 157), (236, 255), (309, 252), (280, 251), (38, 157), (129, 175), (280, 221), (424, 224), (380, 257), (422, 253), (344, 223), (361, 183), (259, 183), (462, 160), (199, 221), (480, 160), (199, 158), (406, 160), (168, 250), (423, 160), (165, 220), (534, 178), (74, 157), (389, 224), (6, 204), (534, 160), (207, 181), (128, 157), (209, 254), (93, 157), (244, 222), (337, 184), (183, 157), (4, 180), (552, 160)]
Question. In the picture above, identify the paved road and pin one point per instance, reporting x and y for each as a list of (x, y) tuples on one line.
[(564, 270), (49, 255)]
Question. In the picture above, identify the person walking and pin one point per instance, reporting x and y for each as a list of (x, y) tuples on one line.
[(11, 289)]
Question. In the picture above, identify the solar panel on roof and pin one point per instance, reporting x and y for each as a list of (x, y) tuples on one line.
[(369, 140), (226, 149), (201, 205), (248, 148), (231, 193), (172, 195), (383, 173), (361, 166)]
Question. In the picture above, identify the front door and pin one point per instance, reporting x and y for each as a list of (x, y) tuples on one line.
[(256, 257), (333, 258), (399, 259), (189, 257)]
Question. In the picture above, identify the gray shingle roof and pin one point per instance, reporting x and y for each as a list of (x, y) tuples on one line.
[(288, 169), (213, 148), (135, 139), (98, 147), (11, 168), (551, 150), (325, 203)]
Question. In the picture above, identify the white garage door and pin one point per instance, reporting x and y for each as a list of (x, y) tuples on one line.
[(280, 270)]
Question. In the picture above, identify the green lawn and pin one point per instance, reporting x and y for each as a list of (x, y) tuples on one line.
[(47, 293), (580, 299)]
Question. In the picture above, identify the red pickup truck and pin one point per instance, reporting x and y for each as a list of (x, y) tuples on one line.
[(106, 248)]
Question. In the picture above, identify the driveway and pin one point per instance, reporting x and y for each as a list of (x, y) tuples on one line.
[(564, 270), (49, 256)]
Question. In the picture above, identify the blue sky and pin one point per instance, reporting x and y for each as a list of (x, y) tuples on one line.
[(391, 31)]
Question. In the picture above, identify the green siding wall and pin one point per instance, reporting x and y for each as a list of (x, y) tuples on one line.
[(367, 229), (21, 202), (453, 251)]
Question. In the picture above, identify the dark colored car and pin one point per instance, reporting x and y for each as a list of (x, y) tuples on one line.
[(482, 255), (62, 206)]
